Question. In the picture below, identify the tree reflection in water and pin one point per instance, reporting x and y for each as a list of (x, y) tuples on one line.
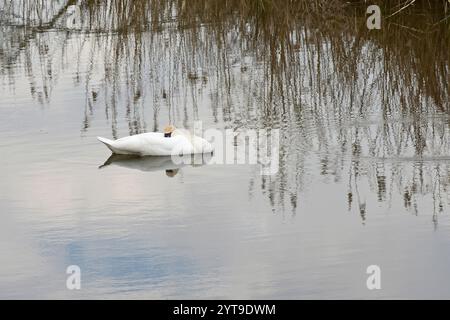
[(371, 106)]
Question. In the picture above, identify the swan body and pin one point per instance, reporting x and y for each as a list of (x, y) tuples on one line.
[(155, 144)]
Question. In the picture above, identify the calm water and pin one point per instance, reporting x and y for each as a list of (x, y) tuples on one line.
[(364, 154)]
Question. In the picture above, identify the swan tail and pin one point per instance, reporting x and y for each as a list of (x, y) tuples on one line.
[(107, 143)]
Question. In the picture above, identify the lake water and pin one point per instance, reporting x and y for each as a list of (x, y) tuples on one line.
[(364, 156)]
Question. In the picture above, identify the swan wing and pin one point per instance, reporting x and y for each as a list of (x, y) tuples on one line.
[(155, 144)]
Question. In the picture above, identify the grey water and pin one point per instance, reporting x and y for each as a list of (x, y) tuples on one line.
[(364, 155)]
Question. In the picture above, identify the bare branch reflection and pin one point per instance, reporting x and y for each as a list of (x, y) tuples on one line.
[(372, 108)]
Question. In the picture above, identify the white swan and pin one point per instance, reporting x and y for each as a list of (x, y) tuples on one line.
[(171, 142)]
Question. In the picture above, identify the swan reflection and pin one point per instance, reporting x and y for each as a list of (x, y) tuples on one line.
[(165, 163)]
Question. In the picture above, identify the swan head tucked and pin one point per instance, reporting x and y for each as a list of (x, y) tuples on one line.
[(168, 130)]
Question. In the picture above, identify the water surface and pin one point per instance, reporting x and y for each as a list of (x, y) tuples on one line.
[(364, 154)]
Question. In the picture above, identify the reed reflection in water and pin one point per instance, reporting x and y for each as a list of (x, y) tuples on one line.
[(364, 115)]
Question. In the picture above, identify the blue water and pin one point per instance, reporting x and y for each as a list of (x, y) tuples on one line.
[(348, 193)]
